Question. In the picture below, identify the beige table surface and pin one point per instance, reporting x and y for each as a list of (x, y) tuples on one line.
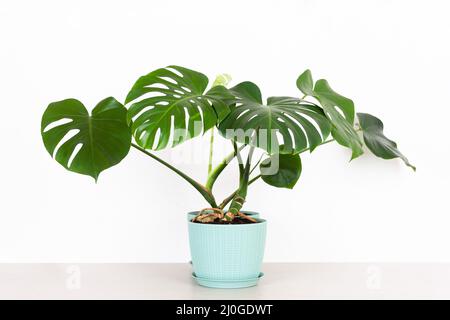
[(173, 281)]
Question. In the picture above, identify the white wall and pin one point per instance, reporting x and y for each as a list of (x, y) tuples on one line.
[(391, 57)]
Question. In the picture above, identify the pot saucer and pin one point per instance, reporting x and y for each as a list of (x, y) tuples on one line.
[(227, 284)]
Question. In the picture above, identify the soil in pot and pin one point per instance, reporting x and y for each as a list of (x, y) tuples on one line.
[(236, 220)]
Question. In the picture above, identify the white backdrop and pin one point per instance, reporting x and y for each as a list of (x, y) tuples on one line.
[(390, 57)]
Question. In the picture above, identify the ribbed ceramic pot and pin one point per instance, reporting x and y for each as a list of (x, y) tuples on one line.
[(227, 256)]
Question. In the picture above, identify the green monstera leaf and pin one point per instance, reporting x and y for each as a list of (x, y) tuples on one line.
[(83, 143), (377, 142), (338, 109), (299, 124), (170, 106), (305, 83), (281, 170)]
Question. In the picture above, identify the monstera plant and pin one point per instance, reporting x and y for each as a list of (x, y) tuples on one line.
[(172, 105)]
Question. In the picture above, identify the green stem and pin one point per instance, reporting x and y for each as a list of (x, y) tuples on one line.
[(239, 158), (325, 142), (212, 177), (241, 194), (231, 196), (256, 164), (254, 179), (199, 187), (211, 151), (320, 144)]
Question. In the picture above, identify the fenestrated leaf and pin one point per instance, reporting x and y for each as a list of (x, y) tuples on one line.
[(104, 136), (173, 104), (291, 117), (338, 109), (287, 173), (305, 83), (376, 141)]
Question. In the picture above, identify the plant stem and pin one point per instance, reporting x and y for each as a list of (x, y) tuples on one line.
[(199, 187), (325, 142), (219, 168), (239, 158), (241, 194), (231, 196), (254, 179), (256, 164), (211, 151), (320, 144)]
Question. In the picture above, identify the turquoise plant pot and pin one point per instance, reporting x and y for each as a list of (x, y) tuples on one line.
[(227, 256)]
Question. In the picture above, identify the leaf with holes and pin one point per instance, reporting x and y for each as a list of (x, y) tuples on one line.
[(83, 143), (173, 107), (377, 142), (282, 120), (281, 170)]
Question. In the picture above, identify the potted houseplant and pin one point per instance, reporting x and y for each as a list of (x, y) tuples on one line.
[(171, 105)]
